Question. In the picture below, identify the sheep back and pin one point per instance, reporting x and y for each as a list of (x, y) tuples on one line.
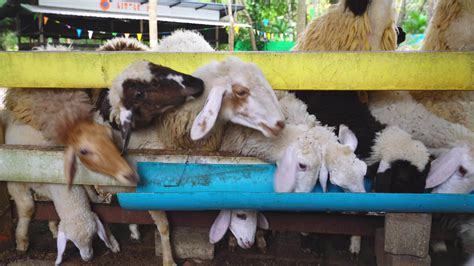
[(52, 111), (338, 29)]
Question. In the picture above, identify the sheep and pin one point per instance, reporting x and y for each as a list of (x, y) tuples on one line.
[(446, 32), (448, 28), (233, 88), (242, 224), (78, 223), (65, 117), (355, 25), (439, 135), (352, 25), (301, 151), (458, 183), (184, 41)]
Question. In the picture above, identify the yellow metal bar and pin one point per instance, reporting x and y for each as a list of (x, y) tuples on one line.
[(295, 71)]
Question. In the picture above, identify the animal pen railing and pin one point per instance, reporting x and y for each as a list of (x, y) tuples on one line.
[(295, 71)]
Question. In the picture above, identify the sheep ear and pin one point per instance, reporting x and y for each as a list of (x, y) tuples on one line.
[(347, 137), (70, 165), (61, 246), (323, 176), (383, 166), (285, 175), (444, 167), (206, 119), (126, 126), (220, 226), (262, 221), (101, 232)]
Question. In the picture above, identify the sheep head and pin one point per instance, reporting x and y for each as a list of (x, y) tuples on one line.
[(93, 145), (242, 223), (340, 164), (238, 93), (82, 239), (402, 163), (299, 165), (452, 172), (145, 90)]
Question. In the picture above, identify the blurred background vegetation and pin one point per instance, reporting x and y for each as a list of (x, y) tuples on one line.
[(275, 22)]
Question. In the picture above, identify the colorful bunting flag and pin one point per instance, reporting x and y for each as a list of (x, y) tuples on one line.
[(90, 32), (67, 26), (126, 35), (265, 22), (45, 20), (236, 29), (78, 31), (114, 34), (139, 36)]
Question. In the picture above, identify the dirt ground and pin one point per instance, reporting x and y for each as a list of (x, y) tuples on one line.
[(282, 249)]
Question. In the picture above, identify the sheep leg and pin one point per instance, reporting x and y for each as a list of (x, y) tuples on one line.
[(354, 248), (161, 221), (115, 247), (134, 232), (53, 228), (25, 206), (261, 243), (232, 243)]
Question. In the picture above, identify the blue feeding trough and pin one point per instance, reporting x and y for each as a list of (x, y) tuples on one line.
[(179, 186)]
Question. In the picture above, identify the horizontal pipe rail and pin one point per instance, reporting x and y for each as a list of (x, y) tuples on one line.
[(285, 71), (326, 223), (45, 165)]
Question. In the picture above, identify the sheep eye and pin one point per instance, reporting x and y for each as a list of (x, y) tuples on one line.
[(242, 216), (462, 171), (83, 151), (140, 95), (302, 166), (241, 93)]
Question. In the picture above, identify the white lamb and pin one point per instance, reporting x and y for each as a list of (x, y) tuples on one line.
[(77, 222), (456, 183)]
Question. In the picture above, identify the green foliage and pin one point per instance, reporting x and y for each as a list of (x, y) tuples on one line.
[(269, 16), (415, 22), (8, 39)]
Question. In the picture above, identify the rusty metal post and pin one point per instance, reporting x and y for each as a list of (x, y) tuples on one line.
[(6, 222)]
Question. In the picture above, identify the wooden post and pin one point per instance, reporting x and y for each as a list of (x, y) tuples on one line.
[(6, 222), (301, 18), (153, 24), (40, 29), (231, 26)]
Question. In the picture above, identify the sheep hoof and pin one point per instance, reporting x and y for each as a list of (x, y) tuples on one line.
[(355, 256), (115, 248), (22, 246)]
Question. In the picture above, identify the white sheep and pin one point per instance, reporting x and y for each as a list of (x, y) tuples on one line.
[(243, 225), (456, 183), (236, 91), (184, 41), (77, 222)]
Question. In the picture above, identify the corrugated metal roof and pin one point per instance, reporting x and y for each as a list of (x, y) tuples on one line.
[(93, 13)]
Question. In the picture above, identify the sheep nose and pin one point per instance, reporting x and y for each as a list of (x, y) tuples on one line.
[(133, 178), (280, 124)]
